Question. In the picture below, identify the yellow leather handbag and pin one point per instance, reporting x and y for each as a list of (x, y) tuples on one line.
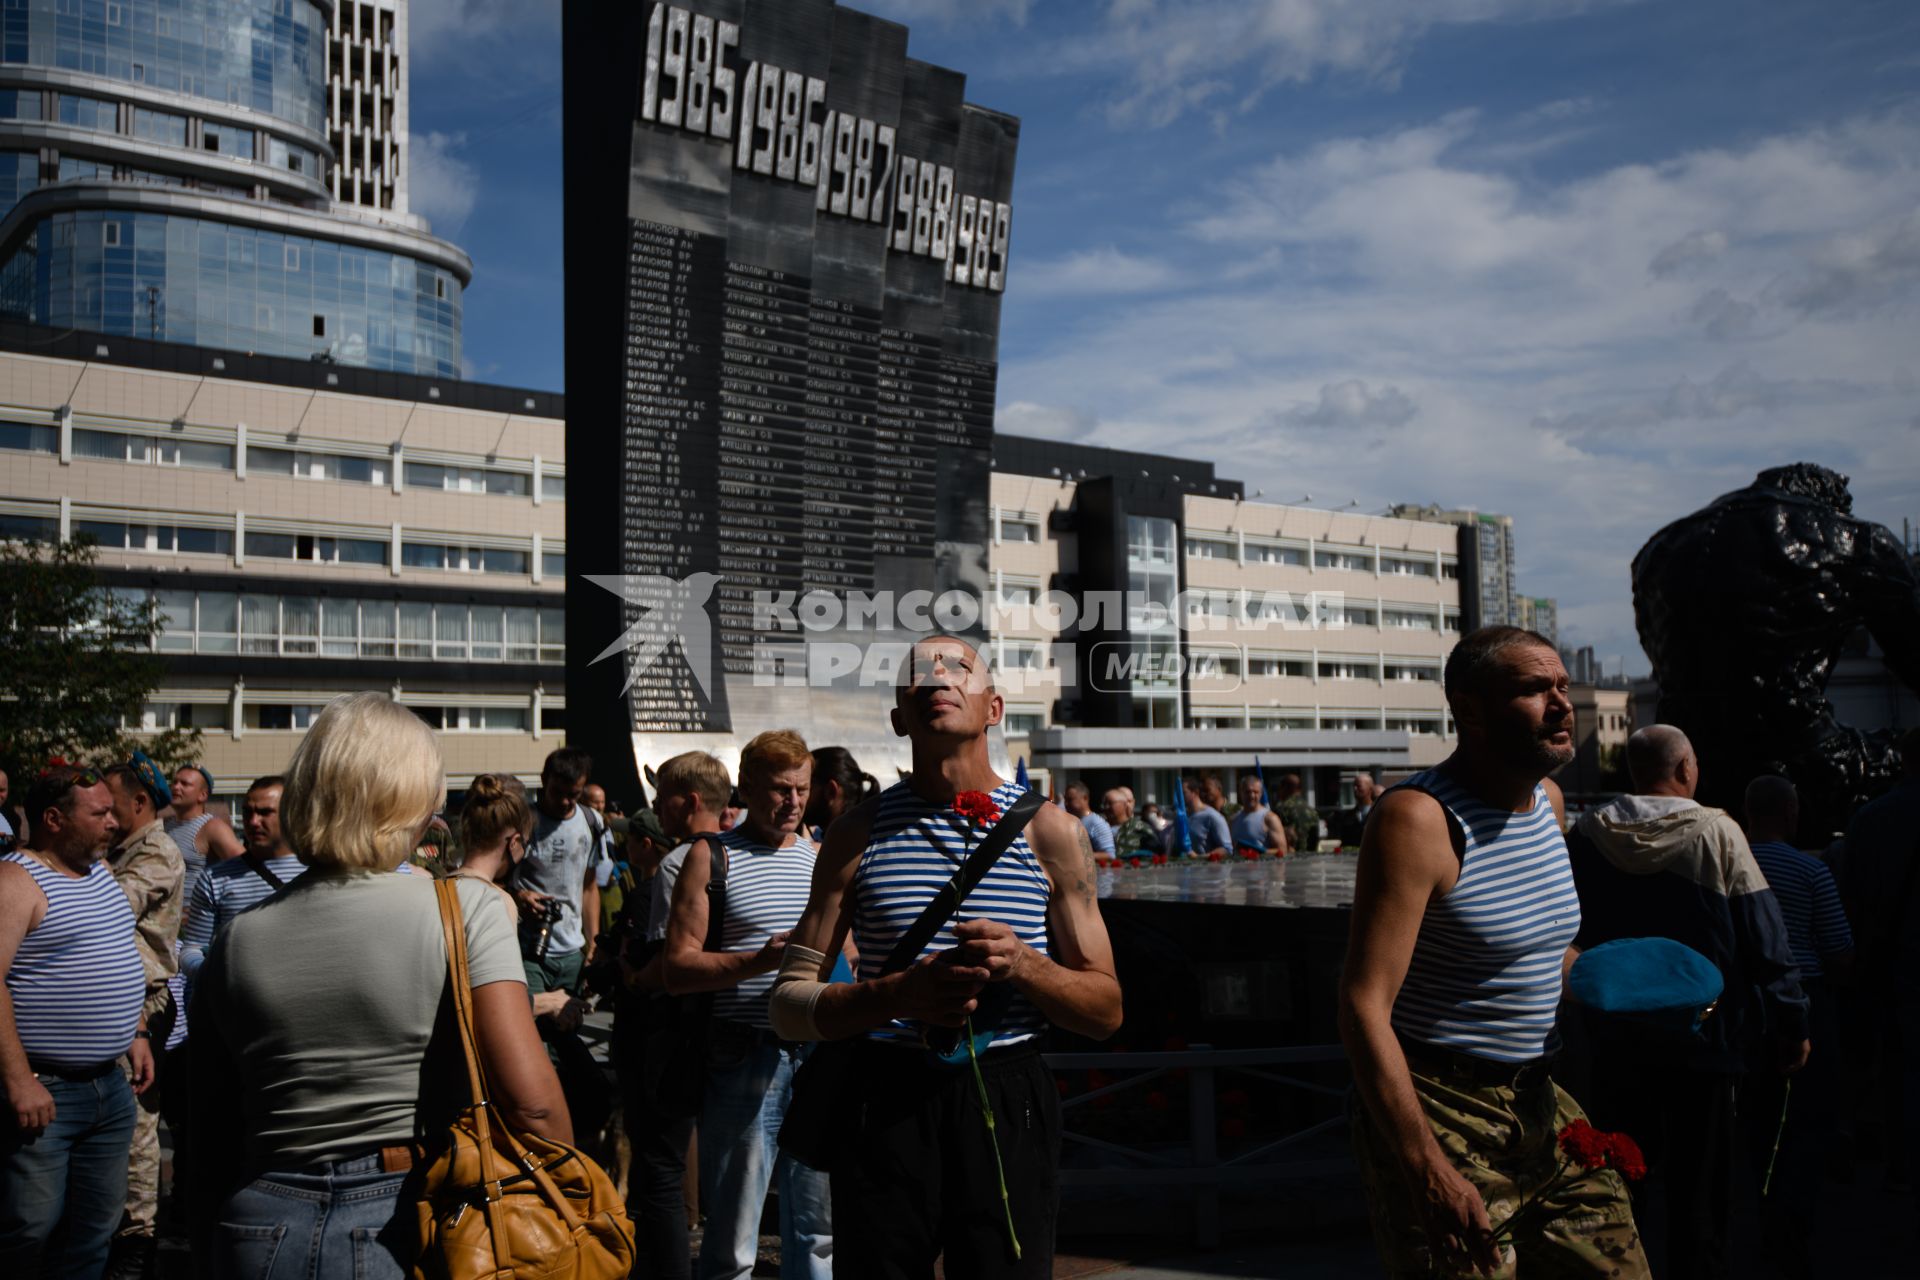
[(494, 1203)]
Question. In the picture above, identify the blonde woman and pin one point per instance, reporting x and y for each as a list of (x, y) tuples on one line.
[(315, 1012)]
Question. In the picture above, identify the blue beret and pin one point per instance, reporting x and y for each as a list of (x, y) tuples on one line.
[(1654, 978), (154, 780)]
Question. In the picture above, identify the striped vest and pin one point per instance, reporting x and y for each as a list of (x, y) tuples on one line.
[(77, 981), (1484, 977), (914, 848), (187, 836), (766, 894)]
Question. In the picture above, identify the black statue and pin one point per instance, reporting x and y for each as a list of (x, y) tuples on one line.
[(1743, 607)]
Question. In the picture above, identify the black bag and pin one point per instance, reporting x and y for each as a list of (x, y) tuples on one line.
[(824, 1086)]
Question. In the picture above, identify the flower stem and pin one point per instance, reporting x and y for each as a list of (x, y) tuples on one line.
[(1778, 1133), (993, 1140)]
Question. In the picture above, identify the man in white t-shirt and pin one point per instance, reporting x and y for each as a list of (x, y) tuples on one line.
[(555, 884)]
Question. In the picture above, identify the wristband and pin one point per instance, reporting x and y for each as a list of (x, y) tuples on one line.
[(143, 1034)]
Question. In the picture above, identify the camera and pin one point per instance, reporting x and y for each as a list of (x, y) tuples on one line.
[(548, 913)]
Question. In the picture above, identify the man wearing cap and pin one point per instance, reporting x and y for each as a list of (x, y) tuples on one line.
[(150, 871)]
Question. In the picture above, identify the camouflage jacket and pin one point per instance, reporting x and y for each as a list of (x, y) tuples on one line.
[(1302, 823), (152, 874), (1134, 835)]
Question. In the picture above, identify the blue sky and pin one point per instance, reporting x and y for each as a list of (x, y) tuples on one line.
[(1585, 262)]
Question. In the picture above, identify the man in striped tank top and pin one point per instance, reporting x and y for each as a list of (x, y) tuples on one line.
[(69, 1010), (919, 1173), (750, 1069), (1464, 914)]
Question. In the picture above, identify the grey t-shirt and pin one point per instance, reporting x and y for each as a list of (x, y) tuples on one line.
[(559, 859), (326, 995)]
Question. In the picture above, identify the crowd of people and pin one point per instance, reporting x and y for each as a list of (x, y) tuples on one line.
[(828, 991)]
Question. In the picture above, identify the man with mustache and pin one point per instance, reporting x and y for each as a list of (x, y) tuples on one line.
[(1464, 913), (919, 1171)]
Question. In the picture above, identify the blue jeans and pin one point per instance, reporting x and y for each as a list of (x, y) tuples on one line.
[(749, 1082), (61, 1193), (333, 1222)]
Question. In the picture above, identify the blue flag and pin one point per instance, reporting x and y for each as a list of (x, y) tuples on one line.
[(1020, 774), (1183, 837)]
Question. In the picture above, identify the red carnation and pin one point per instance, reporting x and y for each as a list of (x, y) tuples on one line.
[(1625, 1156), (1216, 856), (977, 807), (1587, 1145)]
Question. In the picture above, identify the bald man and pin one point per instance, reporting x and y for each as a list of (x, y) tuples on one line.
[(1660, 864)]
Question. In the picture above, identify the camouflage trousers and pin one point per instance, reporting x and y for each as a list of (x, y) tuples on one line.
[(143, 1164), (1503, 1139)]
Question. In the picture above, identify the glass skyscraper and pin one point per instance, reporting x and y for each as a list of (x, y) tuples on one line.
[(165, 173)]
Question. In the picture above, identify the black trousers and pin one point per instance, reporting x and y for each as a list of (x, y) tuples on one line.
[(658, 1133), (918, 1179), (1697, 1195)]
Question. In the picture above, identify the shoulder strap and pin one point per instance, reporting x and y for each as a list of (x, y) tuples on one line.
[(716, 890), (453, 930), (259, 867), (971, 872)]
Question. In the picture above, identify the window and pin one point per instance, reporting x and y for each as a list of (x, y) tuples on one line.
[(1275, 665), (1348, 669), (1423, 726), (462, 559), (1280, 720), (1019, 724), (1346, 722), (305, 465), (1345, 615), (110, 234), (19, 104), (227, 140), (1021, 657), (457, 719), (425, 475), (156, 717), (1268, 553), (1200, 548), (1409, 619), (1450, 569), (553, 564), (319, 326), (1150, 540), (115, 535), (26, 437), (1406, 567), (1278, 606), (553, 635), (1016, 595), (160, 126), (1208, 718), (552, 719), (1213, 664), (282, 715), (1332, 558), (1019, 529), (113, 446), (88, 113), (1450, 620), (553, 488), (1413, 672)]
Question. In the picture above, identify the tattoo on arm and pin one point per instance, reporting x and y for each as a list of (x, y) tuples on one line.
[(1088, 873)]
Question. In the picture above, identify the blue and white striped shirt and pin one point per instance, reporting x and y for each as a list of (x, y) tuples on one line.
[(187, 836), (77, 980), (1485, 973), (1801, 883), (766, 894), (913, 850), (223, 892)]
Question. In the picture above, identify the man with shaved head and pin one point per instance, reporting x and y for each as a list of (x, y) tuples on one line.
[(920, 1172), (1659, 864)]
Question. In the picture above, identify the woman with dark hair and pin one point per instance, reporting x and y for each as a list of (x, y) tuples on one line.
[(838, 785)]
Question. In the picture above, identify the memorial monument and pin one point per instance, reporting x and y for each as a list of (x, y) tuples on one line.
[(787, 243), (1743, 607)]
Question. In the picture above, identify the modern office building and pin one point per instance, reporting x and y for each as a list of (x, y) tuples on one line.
[(306, 530), (1312, 640), (1538, 613), (1490, 597), (367, 104), (168, 170)]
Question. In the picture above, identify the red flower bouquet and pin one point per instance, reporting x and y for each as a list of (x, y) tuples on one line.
[(1584, 1150)]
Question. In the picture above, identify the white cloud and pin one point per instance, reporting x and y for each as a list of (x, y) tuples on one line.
[(439, 30), (1177, 56), (947, 12), (1091, 272), (442, 186), (1353, 404), (1559, 378)]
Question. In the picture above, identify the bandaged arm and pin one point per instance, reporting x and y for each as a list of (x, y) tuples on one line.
[(796, 990)]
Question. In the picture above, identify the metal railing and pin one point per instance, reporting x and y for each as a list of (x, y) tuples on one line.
[(1200, 1167)]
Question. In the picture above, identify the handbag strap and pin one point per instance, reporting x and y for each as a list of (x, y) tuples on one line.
[(954, 892), (260, 868), (454, 930)]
